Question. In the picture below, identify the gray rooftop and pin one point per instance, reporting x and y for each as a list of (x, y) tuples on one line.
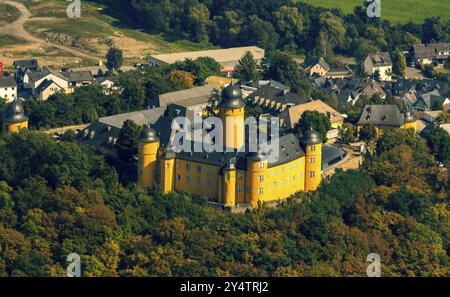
[(141, 117), (7, 81), (381, 115), (381, 59), (27, 64), (78, 76), (196, 95)]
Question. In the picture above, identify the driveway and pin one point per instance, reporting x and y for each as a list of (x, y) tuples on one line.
[(17, 29)]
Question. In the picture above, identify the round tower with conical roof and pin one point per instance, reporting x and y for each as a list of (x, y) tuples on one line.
[(147, 157), (15, 119), (312, 144), (231, 112)]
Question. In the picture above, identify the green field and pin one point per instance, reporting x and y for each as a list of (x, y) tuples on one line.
[(8, 14), (396, 11), (6, 40)]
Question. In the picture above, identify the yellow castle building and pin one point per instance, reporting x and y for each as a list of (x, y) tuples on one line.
[(234, 177), (15, 119)]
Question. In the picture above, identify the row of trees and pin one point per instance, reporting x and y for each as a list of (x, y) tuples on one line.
[(60, 198), (287, 25)]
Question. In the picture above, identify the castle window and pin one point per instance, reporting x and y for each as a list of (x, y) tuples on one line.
[(247, 190), (312, 174), (289, 180), (188, 178), (178, 177), (199, 168), (290, 168), (274, 184), (261, 178), (197, 179), (312, 160), (282, 169), (261, 164), (178, 164), (294, 177), (274, 172), (312, 148), (188, 167), (239, 188), (227, 177), (208, 170), (260, 191), (282, 182), (240, 175)]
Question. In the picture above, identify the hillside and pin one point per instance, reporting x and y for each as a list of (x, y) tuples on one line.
[(92, 34), (398, 11)]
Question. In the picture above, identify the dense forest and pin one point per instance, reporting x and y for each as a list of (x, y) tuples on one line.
[(58, 198), (285, 25)]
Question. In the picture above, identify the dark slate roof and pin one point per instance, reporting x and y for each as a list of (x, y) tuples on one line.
[(148, 135), (44, 85), (7, 81), (39, 74), (430, 50), (28, 64), (232, 97), (331, 153), (15, 112), (289, 150), (430, 85), (313, 61), (278, 85), (381, 115), (430, 97), (78, 76), (381, 59), (401, 86), (202, 93), (310, 137), (277, 95), (107, 128)]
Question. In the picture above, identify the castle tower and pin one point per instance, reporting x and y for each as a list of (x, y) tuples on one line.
[(147, 157), (410, 122), (312, 144), (15, 119), (229, 184), (256, 175), (231, 112), (168, 171)]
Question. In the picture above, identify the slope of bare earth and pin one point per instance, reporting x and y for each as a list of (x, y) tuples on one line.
[(44, 31)]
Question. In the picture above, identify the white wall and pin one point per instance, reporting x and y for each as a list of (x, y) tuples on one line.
[(8, 93)]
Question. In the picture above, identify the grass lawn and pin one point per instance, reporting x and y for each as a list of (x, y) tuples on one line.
[(7, 40), (8, 14), (396, 11)]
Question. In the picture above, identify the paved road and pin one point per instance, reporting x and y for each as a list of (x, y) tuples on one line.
[(17, 29)]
